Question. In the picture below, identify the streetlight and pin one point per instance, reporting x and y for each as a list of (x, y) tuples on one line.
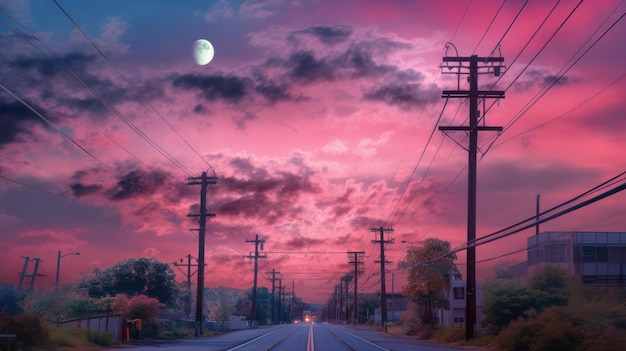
[(59, 256)]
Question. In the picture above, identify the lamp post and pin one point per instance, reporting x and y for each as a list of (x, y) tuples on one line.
[(59, 256)]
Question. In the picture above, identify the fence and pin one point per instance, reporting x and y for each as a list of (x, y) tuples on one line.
[(109, 323)]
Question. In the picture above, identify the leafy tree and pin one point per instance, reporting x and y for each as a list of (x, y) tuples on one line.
[(222, 305), (506, 300), (134, 277), (428, 282), (10, 299)]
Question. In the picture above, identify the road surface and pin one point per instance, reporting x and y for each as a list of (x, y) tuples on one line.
[(299, 337)]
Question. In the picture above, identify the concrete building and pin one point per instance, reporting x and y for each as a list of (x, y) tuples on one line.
[(598, 257), (455, 316)]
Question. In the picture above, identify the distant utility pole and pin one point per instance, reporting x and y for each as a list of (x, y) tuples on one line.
[(347, 278), (356, 258), (33, 276), (23, 274), (455, 65), (203, 181), (256, 257), (537, 215), (281, 303), (272, 276), (189, 274), (383, 262)]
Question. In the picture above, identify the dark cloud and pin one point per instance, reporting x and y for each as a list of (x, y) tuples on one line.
[(365, 222), (269, 198), (135, 182), (302, 243), (339, 211), (303, 65), (563, 80), (273, 92), (329, 34), (405, 95), (15, 119), (358, 62), (73, 61), (343, 240), (79, 190), (539, 77), (230, 88), (241, 120)]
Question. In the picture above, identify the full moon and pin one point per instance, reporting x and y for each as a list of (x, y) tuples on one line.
[(203, 52)]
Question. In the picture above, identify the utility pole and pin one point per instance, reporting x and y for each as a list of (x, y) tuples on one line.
[(490, 65), (347, 278), (293, 300), (35, 275), (383, 262), (203, 181), (32, 277), (23, 274), (356, 258), (189, 275), (281, 302), (273, 274), (537, 216), (256, 257)]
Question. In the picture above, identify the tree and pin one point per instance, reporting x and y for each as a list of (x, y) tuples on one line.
[(10, 299), (222, 305), (506, 300), (428, 282), (133, 277)]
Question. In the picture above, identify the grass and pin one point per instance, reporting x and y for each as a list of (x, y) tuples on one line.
[(70, 338)]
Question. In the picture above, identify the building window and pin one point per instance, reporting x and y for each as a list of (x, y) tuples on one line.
[(595, 254), (459, 293), (589, 254), (602, 254), (458, 319)]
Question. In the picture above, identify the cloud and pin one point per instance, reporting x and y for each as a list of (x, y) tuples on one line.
[(221, 9), (229, 88), (329, 34), (15, 119), (303, 243), (403, 95), (336, 147)]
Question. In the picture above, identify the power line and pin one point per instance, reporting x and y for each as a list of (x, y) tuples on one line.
[(509, 230), (95, 93), (130, 84)]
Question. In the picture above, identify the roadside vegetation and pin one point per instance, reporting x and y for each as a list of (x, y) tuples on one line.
[(546, 311)]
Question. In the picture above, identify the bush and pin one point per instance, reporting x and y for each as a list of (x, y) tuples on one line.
[(449, 334), (562, 328), (104, 339), (29, 329)]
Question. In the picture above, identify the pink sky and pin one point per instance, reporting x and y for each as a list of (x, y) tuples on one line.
[(314, 116)]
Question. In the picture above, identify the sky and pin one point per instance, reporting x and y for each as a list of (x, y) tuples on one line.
[(320, 120)]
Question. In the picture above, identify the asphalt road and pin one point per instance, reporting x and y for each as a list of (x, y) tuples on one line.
[(298, 337)]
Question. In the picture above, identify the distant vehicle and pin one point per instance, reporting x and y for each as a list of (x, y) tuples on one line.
[(297, 321), (307, 317)]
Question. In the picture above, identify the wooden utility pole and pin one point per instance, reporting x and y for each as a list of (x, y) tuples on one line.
[(455, 65), (356, 258), (272, 276), (189, 274), (256, 257), (204, 181), (383, 262)]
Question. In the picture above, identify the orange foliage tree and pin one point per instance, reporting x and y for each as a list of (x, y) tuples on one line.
[(428, 282)]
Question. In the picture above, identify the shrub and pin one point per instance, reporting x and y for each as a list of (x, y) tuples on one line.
[(104, 339), (29, 329), (449, 334)]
